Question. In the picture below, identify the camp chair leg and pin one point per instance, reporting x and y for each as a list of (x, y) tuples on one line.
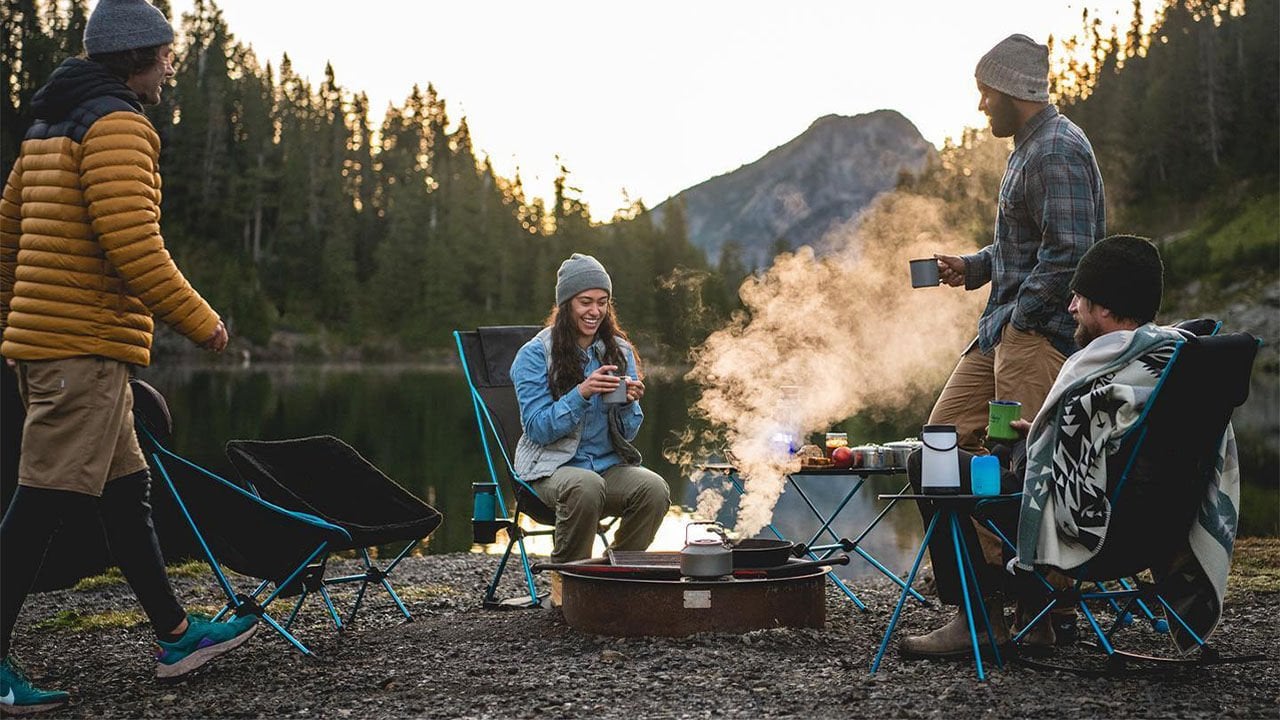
[(1160, 625), (396, 599), (302, 596), (528, 571), (1103, 642), (1170, 612), (286, 635), (1039, 616), (359, 599), (333, 611), (491, 592)]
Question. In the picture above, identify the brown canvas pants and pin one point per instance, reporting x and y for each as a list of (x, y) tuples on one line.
[(1023, 367)]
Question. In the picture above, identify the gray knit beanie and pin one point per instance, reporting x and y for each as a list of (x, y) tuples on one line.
[(1122, 273), (117, 25), (580, 272), (1018, 67)]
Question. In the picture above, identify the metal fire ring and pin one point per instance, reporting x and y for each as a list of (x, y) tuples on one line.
[(625, 607)]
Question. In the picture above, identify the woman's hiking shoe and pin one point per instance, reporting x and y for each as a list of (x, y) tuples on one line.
[(18, 697), (202, 642)]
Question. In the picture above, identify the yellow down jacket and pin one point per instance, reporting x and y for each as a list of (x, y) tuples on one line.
[(83, 267)]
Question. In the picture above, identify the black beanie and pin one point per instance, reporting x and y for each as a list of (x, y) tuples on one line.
[(1122, 273)]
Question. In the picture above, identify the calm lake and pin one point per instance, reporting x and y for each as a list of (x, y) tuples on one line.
[(416, 424)]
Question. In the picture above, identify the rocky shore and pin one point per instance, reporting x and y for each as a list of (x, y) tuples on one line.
[(459, 660)]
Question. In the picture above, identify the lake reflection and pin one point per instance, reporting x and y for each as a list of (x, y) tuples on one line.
[(417, 425)]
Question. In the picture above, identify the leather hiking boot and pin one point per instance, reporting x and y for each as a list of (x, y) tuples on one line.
[(952, 639), (1040, 639)]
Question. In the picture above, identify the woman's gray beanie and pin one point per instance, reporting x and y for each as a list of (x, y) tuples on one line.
[(116, 25), (580, 272), (1018, 67)]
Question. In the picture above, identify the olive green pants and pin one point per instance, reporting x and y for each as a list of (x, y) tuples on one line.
[(635, 494)]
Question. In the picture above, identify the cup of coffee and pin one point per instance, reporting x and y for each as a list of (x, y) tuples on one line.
[(1000, 413), (618, 395), (924, 273)]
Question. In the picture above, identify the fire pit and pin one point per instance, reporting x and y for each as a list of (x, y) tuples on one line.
[(625, 605)]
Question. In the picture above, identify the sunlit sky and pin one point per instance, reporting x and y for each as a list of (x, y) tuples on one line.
[(658, 96)]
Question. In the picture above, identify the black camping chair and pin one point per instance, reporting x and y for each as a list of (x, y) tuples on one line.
[(233, 526), (1166, 463), (325, 477), (486, 354)]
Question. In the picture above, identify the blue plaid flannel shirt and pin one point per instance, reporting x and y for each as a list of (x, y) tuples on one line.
[(1052, 208)]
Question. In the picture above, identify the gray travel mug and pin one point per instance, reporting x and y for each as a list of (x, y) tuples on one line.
[(618, 395), (924, 273)]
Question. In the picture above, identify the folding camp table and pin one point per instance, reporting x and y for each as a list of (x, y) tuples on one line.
[(826, 517), (951, 511)]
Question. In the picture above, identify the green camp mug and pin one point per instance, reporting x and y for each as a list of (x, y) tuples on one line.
[(1000, 414)]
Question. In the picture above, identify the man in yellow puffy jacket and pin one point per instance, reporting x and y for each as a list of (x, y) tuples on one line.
[(83, 270)]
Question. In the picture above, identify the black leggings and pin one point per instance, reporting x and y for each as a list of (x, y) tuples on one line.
[(34, 516)]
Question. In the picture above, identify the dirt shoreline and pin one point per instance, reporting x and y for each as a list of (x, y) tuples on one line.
[(458, 660)]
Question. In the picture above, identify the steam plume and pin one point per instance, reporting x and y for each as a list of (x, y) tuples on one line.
[(846, 330)]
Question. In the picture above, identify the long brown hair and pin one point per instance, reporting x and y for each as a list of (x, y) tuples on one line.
[(566, 362)]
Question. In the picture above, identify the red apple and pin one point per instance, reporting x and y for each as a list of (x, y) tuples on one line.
[(841, 457)]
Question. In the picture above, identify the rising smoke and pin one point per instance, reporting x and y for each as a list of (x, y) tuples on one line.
[(824, 338)]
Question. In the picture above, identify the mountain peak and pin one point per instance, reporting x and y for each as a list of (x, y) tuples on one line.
[(800, 190)]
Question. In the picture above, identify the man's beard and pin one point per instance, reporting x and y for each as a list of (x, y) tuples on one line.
[(1084, 335)]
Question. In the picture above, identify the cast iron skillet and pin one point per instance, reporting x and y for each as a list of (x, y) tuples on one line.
[(762, 553)]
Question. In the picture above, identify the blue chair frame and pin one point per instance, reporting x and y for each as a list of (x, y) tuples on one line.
[(1135, 596), (494, 439), (252, 602)]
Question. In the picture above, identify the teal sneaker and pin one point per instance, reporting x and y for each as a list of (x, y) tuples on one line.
[(18, 697), (202, 642)]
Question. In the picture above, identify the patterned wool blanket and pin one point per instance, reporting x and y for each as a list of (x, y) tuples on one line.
[(1099, 395)]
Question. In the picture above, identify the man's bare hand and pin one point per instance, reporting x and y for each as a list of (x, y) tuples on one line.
[(218, 341), (950, 269), (1020, 426)]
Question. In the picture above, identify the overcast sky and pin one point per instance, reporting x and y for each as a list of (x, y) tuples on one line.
[(656, 96)]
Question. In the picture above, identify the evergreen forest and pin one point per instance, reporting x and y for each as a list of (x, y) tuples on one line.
[(291, 211)]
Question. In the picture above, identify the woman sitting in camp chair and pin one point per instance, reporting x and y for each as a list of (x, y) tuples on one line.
[(579, 388)]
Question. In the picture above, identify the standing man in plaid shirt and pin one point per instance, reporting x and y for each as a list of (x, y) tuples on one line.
[(1052, 209)]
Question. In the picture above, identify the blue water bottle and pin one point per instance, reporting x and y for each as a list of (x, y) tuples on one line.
[(484, 512), (484, 501), (984, 475)]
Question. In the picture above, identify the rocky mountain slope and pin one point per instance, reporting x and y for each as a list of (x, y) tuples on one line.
[(799, 191)]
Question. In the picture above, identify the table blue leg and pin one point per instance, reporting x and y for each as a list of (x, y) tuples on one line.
[(891, 575), (986, 614), (964, 591), (902, 599), (737, 485), (826, 527)]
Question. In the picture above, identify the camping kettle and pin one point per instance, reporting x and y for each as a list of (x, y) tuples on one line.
[(707, 557)]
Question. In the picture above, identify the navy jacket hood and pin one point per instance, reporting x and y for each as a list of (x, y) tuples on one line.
[(75, 82)]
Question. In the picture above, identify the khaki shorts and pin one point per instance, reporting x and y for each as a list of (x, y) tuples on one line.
[(79, 428)]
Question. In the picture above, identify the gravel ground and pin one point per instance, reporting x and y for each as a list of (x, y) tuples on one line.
[(458, 660)]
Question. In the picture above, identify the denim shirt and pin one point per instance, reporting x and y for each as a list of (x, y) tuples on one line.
[(1052, 208), (546, 420)]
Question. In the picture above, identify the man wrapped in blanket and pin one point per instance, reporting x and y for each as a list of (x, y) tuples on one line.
[(1100, 392)]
